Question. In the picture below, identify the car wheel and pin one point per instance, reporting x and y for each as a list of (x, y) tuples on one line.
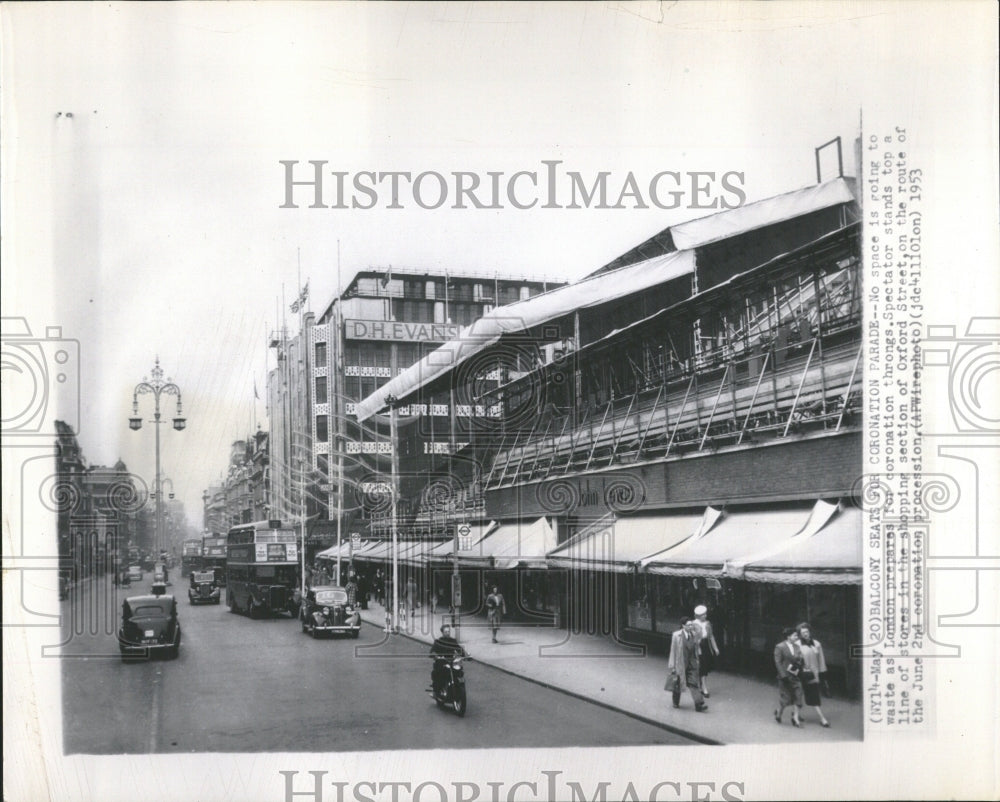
[(355, 633)]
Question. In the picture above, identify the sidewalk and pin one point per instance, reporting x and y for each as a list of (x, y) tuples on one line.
[(609, 674)]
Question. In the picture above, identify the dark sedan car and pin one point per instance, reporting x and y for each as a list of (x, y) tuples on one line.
[(149, 627), (326, 610), (204, 588)]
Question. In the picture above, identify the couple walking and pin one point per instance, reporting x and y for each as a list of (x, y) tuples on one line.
[(799, 661), (693, 650)]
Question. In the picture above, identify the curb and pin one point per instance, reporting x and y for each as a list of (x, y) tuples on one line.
[(576, 695)]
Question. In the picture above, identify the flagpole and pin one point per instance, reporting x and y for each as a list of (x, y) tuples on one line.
[(339, 411)]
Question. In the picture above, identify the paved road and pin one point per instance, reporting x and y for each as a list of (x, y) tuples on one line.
[(241, 685)]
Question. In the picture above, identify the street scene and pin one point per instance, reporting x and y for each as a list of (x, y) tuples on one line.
[(651, 466), (242, 685), (488, 401)]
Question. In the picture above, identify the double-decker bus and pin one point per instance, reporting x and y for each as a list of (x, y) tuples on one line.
[(213, 556), (262, 563), (190, 556)]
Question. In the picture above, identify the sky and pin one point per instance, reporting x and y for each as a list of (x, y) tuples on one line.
[(148, 223)]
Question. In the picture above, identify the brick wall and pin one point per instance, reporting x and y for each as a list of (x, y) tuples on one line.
[(811, 468)]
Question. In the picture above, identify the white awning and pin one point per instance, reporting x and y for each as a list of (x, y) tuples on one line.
[(525, 315), (831, 556), (625, 542), (520, 544), (443, 551), (732, 537)]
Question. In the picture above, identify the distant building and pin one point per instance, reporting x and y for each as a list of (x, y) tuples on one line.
[(384, 321), (97, 509)]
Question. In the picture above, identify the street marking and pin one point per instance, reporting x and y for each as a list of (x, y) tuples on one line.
[(156, 709)]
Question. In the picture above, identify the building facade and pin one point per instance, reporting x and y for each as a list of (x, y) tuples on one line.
[(98, 510), (325, 464), (690, 434)]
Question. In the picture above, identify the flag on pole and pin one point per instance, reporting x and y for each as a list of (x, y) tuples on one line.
[(387, 277), (300, 302), (255, 393)]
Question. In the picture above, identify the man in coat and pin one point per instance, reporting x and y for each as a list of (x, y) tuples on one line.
[(683, 664)]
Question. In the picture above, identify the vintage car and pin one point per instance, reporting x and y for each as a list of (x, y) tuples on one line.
[(135, 573), (159, 572), (149, 627), (204, 588), (326, 611)]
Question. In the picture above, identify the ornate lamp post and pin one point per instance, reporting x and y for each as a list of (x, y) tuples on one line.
[(157, 387)]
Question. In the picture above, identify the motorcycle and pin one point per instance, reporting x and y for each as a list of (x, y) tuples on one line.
[(450, 692)]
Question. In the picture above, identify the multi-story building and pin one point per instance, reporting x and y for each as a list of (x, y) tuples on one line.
[(690, 434), (383, 322), (243, 495), (97, 509)]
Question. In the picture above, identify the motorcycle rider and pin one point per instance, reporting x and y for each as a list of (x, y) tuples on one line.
[(442, 650)]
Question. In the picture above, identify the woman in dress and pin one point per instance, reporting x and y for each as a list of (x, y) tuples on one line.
[(708, 648), (814, 664)]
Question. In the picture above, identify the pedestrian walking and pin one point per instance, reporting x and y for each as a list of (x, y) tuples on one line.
[(813, 668), (788, 662), (496, 608), (411, 595), (682, 665), (363, 590), (708, 649)]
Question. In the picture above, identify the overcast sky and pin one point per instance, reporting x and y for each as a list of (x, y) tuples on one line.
[(149, 222)]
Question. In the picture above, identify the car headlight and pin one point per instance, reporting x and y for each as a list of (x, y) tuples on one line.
[(326, 611)]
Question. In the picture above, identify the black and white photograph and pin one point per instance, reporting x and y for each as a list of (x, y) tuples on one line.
[(500, 401)]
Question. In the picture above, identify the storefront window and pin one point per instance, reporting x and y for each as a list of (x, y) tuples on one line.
[(667, 604), (826, 617), (639, 613)]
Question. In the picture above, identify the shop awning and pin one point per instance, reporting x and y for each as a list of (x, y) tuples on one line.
[(345, 550), (733, 536), (378, 550), (525, 315), (521, 544), (831, 556), (443, 551), (623, 543)]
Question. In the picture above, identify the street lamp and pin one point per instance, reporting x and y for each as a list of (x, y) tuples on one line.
[(166, 480), (157, 387)]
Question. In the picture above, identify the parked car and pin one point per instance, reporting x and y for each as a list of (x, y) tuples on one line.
[(149, 627), (204, 588), (135, 573), (326, 611)]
